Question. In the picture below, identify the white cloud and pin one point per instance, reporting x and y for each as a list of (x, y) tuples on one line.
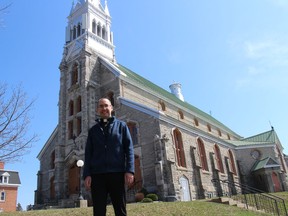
[(254, 70), (264, 64), (242, 83), (267, 52), (280, 3)]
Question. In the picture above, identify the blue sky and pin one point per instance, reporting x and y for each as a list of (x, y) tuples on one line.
[(231, 58)]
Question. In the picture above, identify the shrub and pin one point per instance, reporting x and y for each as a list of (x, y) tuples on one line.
[(147, 200), (152, 196), (144, 191), (139, 197)]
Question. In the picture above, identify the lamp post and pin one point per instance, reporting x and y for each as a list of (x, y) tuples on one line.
[(80, 164)]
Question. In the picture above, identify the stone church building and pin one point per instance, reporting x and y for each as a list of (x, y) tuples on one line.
[(179, 149)]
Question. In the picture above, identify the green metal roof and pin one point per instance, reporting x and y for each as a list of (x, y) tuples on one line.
[(248, 143), (146, 83), (269, 136), (266, 138), (265, 163)]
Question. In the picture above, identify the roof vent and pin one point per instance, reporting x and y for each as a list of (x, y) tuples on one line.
[(176, 90)]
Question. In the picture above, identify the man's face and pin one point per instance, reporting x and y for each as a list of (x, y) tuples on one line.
[(104, 108)]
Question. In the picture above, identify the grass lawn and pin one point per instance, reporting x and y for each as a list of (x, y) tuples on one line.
[(199, 208)]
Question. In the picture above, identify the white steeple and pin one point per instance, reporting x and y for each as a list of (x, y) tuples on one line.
[(176, 90), (89, 24), (106, 9)]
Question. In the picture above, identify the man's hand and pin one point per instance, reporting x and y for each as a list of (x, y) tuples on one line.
[(87, 183), (129, 179)]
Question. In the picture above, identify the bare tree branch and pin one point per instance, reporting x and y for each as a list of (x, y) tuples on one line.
[(15, 110), (3, 10)]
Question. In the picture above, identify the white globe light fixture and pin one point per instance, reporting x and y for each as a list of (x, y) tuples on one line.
[(80, 163)]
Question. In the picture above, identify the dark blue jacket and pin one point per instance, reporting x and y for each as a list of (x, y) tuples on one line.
[(109, 149)]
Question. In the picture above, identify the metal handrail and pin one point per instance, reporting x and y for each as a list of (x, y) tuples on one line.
[(252, 197)]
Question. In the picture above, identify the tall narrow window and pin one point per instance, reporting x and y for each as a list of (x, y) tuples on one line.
[(71, 108), (179, 148), (74, 32), (74, 74), (99, 30), (181, 115), (232, 162), (196, 122), (52, 162), (110, 96), (209, 128), (94, 27), (70, 129), (228, 136), (218, 158), (133, 131), (162, 105), (104, 33), (219, 133), (3, 196), (79, 125), (78, 30), (79, 104), (202, 154)]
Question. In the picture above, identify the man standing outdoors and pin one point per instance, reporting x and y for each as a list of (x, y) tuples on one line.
[(109, 161)]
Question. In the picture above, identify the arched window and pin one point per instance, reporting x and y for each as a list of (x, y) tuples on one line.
[(74, 78), (196, 122), (78, 30), (202, 154), (74, 32), (162, 105), (79, 125), (209, 128), (71, 108), (79, 104), (133, 131), (110, 96), (94, 27), (179, 148), (228, 136), (232, 162), (104, 33), (219, 133), (70, 129), (52, 162), (218, 159), (181, 115), (99, 30)]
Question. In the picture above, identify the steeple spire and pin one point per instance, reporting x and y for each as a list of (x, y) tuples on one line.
[(106, 8), (89, 23)]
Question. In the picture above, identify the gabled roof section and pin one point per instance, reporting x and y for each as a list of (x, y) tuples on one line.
[(140, 81), (243, 143), (265, 163), (263, 139), (269, 136)]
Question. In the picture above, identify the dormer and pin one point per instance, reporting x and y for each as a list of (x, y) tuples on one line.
[(4, 179)]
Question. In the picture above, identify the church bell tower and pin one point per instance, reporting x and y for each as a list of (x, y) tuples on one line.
[(89, 26), (88, 38)]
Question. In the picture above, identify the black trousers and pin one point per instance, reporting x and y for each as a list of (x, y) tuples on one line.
[(112, 184)]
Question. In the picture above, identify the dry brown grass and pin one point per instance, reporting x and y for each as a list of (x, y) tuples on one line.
[(199, 208)]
